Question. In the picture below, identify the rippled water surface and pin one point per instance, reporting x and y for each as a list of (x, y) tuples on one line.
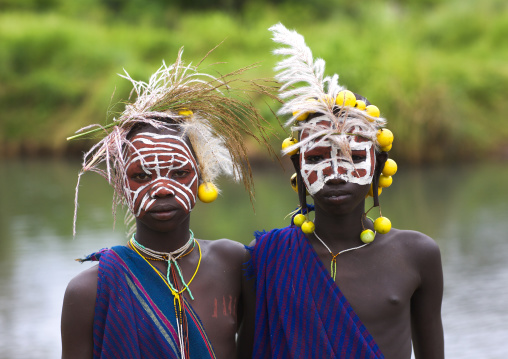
[(463, 208)]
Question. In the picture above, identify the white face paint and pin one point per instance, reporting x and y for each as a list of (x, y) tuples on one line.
[(160, 165), (323, 160)]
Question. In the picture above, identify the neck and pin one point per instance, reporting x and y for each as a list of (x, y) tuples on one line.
[(163, 241), (340, 230)]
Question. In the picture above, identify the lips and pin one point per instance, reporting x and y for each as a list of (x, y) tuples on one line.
[(335, 194), (163, 212), (163, 208)]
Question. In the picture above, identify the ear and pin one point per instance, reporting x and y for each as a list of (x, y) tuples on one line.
[(302, 190), (381, 158)]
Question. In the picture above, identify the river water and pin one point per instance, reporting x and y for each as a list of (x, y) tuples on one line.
[(464, 208)]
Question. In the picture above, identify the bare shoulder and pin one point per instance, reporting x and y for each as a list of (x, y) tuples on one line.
[(78, 313), (421, 249), (224, 249), (84, 284), (414, 242)]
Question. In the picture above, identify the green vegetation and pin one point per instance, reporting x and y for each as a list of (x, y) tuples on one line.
[(436, 70)]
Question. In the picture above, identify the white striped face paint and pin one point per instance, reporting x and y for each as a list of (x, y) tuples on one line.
[(322, 160), (160, 165)]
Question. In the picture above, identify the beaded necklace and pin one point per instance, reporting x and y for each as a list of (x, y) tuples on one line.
[(171, 281), (159, 259), (333, 263)]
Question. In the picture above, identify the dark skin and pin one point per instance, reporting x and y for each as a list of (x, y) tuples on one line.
[(217, 287), (395, 284)]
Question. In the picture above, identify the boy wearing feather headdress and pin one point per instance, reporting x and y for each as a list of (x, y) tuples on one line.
[(342, 285), (165, 294)]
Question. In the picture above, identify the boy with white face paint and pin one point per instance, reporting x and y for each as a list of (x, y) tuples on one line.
[(166, 294), (332, 287), (170, 166)]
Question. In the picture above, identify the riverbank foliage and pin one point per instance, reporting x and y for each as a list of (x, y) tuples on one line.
[(437, 70)]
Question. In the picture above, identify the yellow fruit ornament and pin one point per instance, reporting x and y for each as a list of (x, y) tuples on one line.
[(386, 148), (385, 181), (384, 137), (372, 111), (308, 227), (300, 116), (382, 225), (371, 192), (345, 98), (207, 192), (185, 112), (294, 184), (367, 236), (299, 219), (360, 104), (290, 141), (328, 100), (390, 167)]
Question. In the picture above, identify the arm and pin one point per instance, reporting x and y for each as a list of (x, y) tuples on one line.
[(248, 313), (426, 325), (78, 314)]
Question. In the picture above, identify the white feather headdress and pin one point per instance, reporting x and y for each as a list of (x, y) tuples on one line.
[(305, 90)]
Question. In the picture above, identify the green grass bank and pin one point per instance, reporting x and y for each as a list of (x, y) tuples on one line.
[(437, 70)]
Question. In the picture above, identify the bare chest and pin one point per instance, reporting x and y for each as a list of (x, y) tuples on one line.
[(216, 300), (378, 286)]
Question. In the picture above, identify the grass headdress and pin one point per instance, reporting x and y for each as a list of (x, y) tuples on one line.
[(211, 111)]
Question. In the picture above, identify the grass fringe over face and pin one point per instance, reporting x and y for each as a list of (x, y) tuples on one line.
[(215, 113)]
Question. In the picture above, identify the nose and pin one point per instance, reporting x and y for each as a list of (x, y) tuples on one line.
[(334, 173), (335, 180), (162, 189)]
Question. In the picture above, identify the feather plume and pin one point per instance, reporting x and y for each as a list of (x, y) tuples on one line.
[(306, 90)]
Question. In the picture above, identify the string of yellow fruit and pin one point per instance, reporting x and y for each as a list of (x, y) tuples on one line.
[(384, 138)]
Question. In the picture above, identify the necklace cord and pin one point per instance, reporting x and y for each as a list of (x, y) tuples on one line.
[(174, 291), (178, 300), (333, 263)]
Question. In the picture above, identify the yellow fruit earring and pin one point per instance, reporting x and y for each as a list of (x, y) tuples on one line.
[(302, 221), (290, 141), (294, 184), (207, 192), (385, 139), (381, 225)]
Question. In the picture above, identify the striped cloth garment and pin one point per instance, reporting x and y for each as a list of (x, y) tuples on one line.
[(300, 311), (135, 314)]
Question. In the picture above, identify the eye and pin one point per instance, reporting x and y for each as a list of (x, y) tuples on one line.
[(180, 174), (141, 177), (314, 159), (358, 156)]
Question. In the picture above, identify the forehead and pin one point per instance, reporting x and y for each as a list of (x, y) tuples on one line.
[(164, 141), (329, 133)]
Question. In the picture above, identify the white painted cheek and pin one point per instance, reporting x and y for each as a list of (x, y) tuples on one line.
[(307, 169), (185, 195), (316, 186), (141, 204), (365, 165)]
